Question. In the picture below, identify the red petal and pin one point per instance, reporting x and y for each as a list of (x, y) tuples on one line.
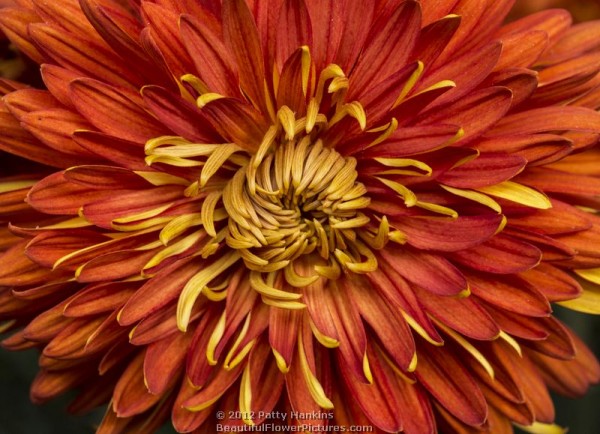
[(241, 300), (479, 63), (396, 291), (522, 49), (15, 140), (412, 141), (350, 329), (75, 53), (55, 195), (120, 30), (163, 362), (554, 283), (393, 333), (537, 149), (358, 17), (105, 209), (573, 377), (502, 255), (294, 29), (464, 315), (15, 25), (527, 377), (48, 247), (475, 113), (447, 381), (161, 39), (283, 332), (71, 340), (50, 384), (431, 272), (181, 116), (290, 92), (557, 181), (554, 22), (241, 37), (558, 344), (236, 121), (54, 128), (185, 420), (388, 49), (213, 62), (198, 368), (485, 170), (548, 119), (448, 235), (327, 18), (379, 401), (560, 219), (122, 152), (100, 298), (148, 298), (300, 397), (131, 396), (434, 38), (264, 371), (216, 387), (160, 324), (122, 114), (517, 325), (115, 266), (510, 293), (522, 82), (57, 81)]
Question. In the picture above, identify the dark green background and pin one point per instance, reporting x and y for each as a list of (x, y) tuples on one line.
[(19, 416)]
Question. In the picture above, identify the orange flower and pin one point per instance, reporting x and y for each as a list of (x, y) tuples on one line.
[(354, 213)]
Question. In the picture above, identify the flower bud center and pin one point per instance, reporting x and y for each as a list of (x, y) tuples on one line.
[(299, 199)]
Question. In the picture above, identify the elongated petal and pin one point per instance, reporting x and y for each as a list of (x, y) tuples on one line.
[(445, 378), (428, 271)]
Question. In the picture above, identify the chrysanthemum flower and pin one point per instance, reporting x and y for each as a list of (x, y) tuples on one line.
[(357, 211)]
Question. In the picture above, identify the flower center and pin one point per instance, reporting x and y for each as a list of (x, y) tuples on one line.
[(301, 198)]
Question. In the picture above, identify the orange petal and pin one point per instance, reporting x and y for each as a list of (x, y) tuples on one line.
[(502, 254), (131, 397), (475, 113), (554, 283), (447, 381), (124, 153), (294, 30), (522, 49), (123, 115), (510, 293), (448, 234), (163, 362), (100, 298), (242, 39), (379, 401), (213, 62), (162, 41), (163, 288), (219, 383), (393, 333), (429, 271), (397, 291), (179, 115), (75, 53), (350, 329), (434, 37), (388, 49), (465, 315)]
